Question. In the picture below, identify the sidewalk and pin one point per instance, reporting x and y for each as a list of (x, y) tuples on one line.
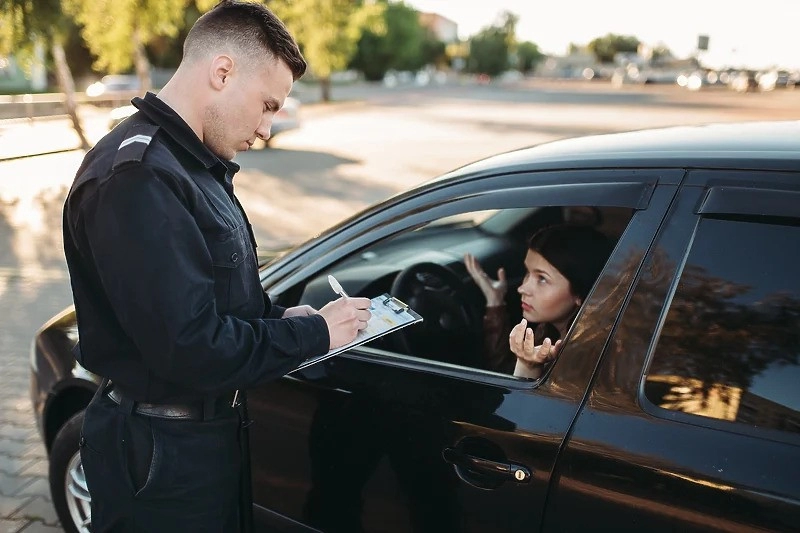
[(23, 137)]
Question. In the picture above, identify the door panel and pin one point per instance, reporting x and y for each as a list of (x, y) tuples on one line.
[(697, 463), (370, 451), (378, 441)]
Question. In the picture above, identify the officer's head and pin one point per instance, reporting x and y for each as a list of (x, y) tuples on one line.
[(246, 28), (243, 61)]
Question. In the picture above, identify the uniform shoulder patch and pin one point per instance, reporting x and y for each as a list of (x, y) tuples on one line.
[(135, 144)]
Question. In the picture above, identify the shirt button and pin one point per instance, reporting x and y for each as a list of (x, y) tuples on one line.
[(234, 257)]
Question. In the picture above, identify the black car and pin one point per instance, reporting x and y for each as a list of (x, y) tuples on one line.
[(673, 405)]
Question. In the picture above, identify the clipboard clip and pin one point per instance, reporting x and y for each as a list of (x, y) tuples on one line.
[(395, 305)]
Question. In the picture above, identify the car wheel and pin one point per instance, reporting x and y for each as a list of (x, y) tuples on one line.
[(67, 482)]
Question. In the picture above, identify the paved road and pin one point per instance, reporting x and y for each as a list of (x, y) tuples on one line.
[(345, 156)]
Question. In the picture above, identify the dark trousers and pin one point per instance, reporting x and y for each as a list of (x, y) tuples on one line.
[(148, 474)]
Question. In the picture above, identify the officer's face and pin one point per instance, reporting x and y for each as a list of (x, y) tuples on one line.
[(245, 108)]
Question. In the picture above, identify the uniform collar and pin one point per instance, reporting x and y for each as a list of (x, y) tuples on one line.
[(167, 119)]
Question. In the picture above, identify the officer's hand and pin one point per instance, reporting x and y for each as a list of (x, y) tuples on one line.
[(300, 310), (345, 318)]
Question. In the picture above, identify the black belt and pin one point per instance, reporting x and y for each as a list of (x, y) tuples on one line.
[(218, 407)]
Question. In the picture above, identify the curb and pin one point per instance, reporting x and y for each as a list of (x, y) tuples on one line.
[(309, 110), (3, 159)]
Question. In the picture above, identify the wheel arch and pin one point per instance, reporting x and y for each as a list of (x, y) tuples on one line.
[(62, 405)]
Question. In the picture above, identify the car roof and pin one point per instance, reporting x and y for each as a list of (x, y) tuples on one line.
[(759, 145)]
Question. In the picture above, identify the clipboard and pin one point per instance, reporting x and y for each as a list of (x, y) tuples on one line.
[(388, 314)]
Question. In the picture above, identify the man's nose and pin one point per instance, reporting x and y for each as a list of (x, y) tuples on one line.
[(264, 129)]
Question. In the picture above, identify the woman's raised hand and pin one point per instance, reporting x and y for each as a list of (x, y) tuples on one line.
[(521, 342), (493, 290)]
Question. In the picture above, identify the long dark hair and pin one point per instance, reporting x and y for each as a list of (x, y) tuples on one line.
[(579, 253)]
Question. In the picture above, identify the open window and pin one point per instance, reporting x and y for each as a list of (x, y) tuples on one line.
[(423, 266)]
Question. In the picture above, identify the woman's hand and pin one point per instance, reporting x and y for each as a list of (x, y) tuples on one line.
[(493, 290), (522, 344)]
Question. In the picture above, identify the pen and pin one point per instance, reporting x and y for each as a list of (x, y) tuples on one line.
[(336, 287)]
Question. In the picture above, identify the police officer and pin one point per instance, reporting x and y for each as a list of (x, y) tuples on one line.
[(165, 282)]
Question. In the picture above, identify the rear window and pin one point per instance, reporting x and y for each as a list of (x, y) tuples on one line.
[(730, 346)]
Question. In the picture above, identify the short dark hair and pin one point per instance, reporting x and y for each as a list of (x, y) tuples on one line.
[(578, 252), (243, 25)]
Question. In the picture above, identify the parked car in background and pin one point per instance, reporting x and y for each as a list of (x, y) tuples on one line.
[(288, 118), (113, 83), (673, 404), (113, 90), (744, 81), (777, 79)]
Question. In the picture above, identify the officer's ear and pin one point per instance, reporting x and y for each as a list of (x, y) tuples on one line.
[(220, 71)]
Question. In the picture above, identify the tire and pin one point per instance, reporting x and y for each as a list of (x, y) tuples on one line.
[(67, 483)]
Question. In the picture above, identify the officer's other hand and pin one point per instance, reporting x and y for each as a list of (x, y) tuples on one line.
[(300, 310), (345, 318)]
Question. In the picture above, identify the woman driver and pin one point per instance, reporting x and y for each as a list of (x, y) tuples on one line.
[(562, 264)]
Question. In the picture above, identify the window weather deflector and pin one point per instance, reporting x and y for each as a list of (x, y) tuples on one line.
[(607, 194), (750, 201)]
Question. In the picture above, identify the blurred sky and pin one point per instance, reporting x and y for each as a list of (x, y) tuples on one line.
[(755, 34)]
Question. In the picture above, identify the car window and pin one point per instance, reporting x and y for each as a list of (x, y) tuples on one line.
[(424, 267), (730, 345)]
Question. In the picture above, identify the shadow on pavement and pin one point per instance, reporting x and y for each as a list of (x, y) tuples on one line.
[(561, 131), (653, 98), (291, 195), (7, 258)]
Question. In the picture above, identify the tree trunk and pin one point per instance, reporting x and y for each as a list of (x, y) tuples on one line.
[(67, 85), (325, 87), (141, 63)]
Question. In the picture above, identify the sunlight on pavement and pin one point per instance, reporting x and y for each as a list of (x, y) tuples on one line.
[(32, 193), (32, 177)]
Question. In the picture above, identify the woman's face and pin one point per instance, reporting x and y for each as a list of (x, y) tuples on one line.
[(546, 293)]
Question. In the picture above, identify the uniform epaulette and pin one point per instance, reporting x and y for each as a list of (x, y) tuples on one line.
[(134, 146)]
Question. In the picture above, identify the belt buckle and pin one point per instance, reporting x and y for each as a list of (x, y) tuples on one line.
[(236, 402)]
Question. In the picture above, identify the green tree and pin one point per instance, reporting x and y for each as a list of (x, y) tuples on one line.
[(528, 56), (606, 47), (492, 49), (117, 31), (508, 24), (328, 31), (25, 24), (405, 45), (434, 51), (488, 52)]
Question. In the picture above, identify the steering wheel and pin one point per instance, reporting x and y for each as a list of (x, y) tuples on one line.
[(450, 330)]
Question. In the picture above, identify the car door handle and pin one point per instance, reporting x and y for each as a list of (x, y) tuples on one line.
[(518, 473)]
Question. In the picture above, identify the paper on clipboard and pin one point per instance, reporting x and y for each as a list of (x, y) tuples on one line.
[(388, 314)]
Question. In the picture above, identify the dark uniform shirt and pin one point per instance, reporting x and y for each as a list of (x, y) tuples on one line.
[(163, 269)]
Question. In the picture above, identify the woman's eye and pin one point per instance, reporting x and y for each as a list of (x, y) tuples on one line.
[(542, 279)]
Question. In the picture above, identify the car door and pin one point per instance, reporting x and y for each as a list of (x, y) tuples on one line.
[(693, 423), (378, 441)]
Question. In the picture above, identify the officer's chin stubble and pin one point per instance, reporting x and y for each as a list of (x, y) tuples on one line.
[(213, 132)]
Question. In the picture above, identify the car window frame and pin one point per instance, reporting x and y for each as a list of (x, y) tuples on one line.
[(512, 190)]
